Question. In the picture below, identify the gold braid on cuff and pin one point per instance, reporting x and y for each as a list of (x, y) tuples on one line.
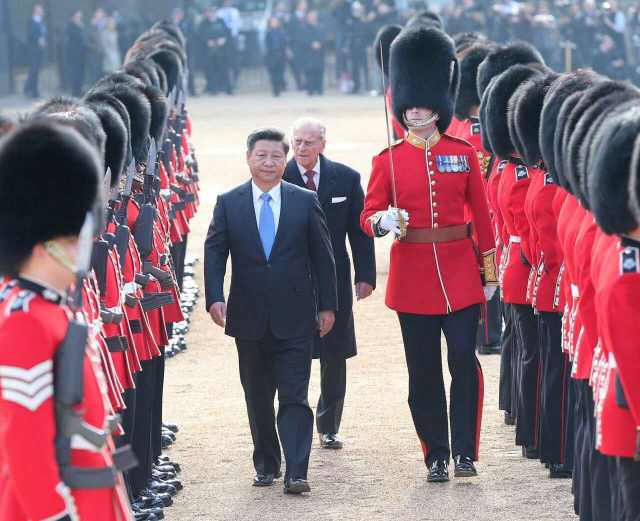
[(489, 269)]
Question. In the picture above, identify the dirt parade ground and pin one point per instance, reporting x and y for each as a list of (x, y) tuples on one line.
[(379, 475)]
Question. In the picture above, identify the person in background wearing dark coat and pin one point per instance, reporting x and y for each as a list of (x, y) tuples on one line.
[(187, 24), (276, 55), (36, 43), (283, 290), (313, 45), (215, 37), (295, 29), (360, 38), (342, 199), (75, 52)]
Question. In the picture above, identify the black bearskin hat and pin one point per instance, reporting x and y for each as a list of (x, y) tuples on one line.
[(384, 38), (497, 103), (464, 41), (118, 106), (172, 30), (424, 73), (50, 178), (634, 180), (145, 71), (503, 57), (468, 93), (588, 106), (117, 139), (139, 109), (426, 18), (611, 168), (171, 65), (563, 87), (526, 107)]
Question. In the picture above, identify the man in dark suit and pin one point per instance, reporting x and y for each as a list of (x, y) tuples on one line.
[(36, 42), (279, 243), (342, 200), (313, 42)]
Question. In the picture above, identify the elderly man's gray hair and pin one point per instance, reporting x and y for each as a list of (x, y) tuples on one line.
[(308, 122)]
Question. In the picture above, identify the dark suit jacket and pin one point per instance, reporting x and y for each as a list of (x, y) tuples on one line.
[(277, 292), (342, 199)]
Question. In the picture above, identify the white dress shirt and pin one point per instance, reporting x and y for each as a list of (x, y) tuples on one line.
[(276, 202), (316, 175)]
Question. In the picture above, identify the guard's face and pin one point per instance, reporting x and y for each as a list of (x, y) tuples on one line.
[(267, 161), (307, 144), (417, 115)]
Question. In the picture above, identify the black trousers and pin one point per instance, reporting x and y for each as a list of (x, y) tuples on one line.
[(315, 80), (421, 336), (276, 76), (506, 398), (359, 69), (31, 86), (266, 366), (333, 387), (528, 413), (553, 391), (156, 413), (629, 481), (142, 434), (490, 323)]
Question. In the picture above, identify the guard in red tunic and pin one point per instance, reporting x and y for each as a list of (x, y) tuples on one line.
[(466, 126), (617, 290), (438, 277), (57, 459), (517, 258)]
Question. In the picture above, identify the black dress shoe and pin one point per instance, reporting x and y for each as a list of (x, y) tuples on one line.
[(438, 472), (330, 440), (149, 511), (147, 503), (164, 460), (464, 467), (263, 480), (166, 441), (530, 452), (296, 486), (159, 486), (171, 426), (559, 471), (143, 516), (150, 497), (509, 419)]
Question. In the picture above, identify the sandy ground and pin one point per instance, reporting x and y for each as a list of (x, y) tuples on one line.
[(380, 474)]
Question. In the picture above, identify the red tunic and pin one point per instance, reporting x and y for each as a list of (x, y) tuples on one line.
[(33, 323), (547, 252), (512, 191), (618, 287), (431, 279)]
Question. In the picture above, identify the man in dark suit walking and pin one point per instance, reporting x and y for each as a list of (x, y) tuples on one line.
[(342, 198), (279, 243)]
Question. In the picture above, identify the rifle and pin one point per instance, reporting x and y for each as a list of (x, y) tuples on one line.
[(143, 234)]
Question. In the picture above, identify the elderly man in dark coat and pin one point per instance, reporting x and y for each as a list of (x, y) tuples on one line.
[(342, 199)]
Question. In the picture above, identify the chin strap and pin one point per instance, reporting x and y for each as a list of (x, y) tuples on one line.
[(60, 255), (420, 124)]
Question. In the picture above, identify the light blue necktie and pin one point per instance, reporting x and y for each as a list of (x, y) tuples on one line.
[(267, 225)]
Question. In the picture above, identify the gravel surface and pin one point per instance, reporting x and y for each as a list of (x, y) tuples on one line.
[(380, 474)]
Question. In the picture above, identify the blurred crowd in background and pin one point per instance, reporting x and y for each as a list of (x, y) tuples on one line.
[(306, 44)]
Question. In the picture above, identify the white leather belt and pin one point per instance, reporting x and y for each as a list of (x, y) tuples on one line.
[(612, 361), (515, 238), (130, 288), (575, 292)]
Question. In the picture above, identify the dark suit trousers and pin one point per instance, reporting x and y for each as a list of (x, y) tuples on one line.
[(333, 387), (427, 400), (629, 479), (266, 366), (507, 401)]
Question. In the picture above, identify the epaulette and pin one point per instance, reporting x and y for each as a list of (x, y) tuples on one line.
[(630, 260), (394, 144), (21, 301)]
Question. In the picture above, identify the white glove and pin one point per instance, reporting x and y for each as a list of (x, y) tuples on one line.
[(489, 291), (390, 220)]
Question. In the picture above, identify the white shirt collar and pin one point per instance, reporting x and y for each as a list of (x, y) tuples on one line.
[(257, 192), (303, 170)]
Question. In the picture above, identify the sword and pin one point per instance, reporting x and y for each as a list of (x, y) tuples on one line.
[(394, 196)]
